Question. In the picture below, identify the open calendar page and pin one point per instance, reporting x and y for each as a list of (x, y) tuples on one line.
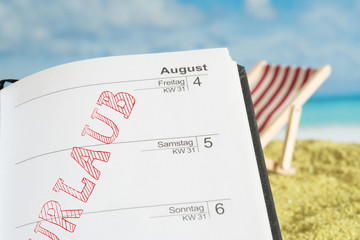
[(157, 146)]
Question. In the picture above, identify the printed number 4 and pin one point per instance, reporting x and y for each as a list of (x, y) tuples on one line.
[(197, 81)]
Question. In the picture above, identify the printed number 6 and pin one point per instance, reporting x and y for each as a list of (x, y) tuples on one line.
[(219, 208), (207, 142)]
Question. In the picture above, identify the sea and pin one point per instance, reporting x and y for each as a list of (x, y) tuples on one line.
[(333, 118)]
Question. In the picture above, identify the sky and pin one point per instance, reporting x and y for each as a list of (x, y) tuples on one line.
[(38, 34)]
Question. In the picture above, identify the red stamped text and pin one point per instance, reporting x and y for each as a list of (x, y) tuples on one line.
[(52, 211)]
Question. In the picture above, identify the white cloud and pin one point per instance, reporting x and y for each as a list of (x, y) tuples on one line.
[(320, 34), (25, 24), (97, 14), (55, 32), (260, 8), (331, 20), (10, 28)]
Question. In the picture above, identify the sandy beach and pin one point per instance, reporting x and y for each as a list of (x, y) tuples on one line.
[(322, 200), (349, 133)]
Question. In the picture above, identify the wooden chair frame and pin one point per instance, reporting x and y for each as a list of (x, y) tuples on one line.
[(291, 115)]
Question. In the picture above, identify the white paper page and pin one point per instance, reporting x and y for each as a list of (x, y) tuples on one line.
[(181, 166)]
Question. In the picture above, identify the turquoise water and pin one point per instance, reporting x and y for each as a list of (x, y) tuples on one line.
[(331, 110)]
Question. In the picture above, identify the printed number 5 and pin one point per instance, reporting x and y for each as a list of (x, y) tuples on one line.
[(207, 142)]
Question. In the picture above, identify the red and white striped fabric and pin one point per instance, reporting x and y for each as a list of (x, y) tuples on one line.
[(275, 89)]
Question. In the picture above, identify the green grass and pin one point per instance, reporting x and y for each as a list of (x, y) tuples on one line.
[(322, 200)]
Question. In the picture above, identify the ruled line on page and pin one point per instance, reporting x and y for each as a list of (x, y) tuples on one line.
[(136, 207), (103, 83), (123, 142)]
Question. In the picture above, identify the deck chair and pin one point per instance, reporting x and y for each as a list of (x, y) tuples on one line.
[(278, 93)]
